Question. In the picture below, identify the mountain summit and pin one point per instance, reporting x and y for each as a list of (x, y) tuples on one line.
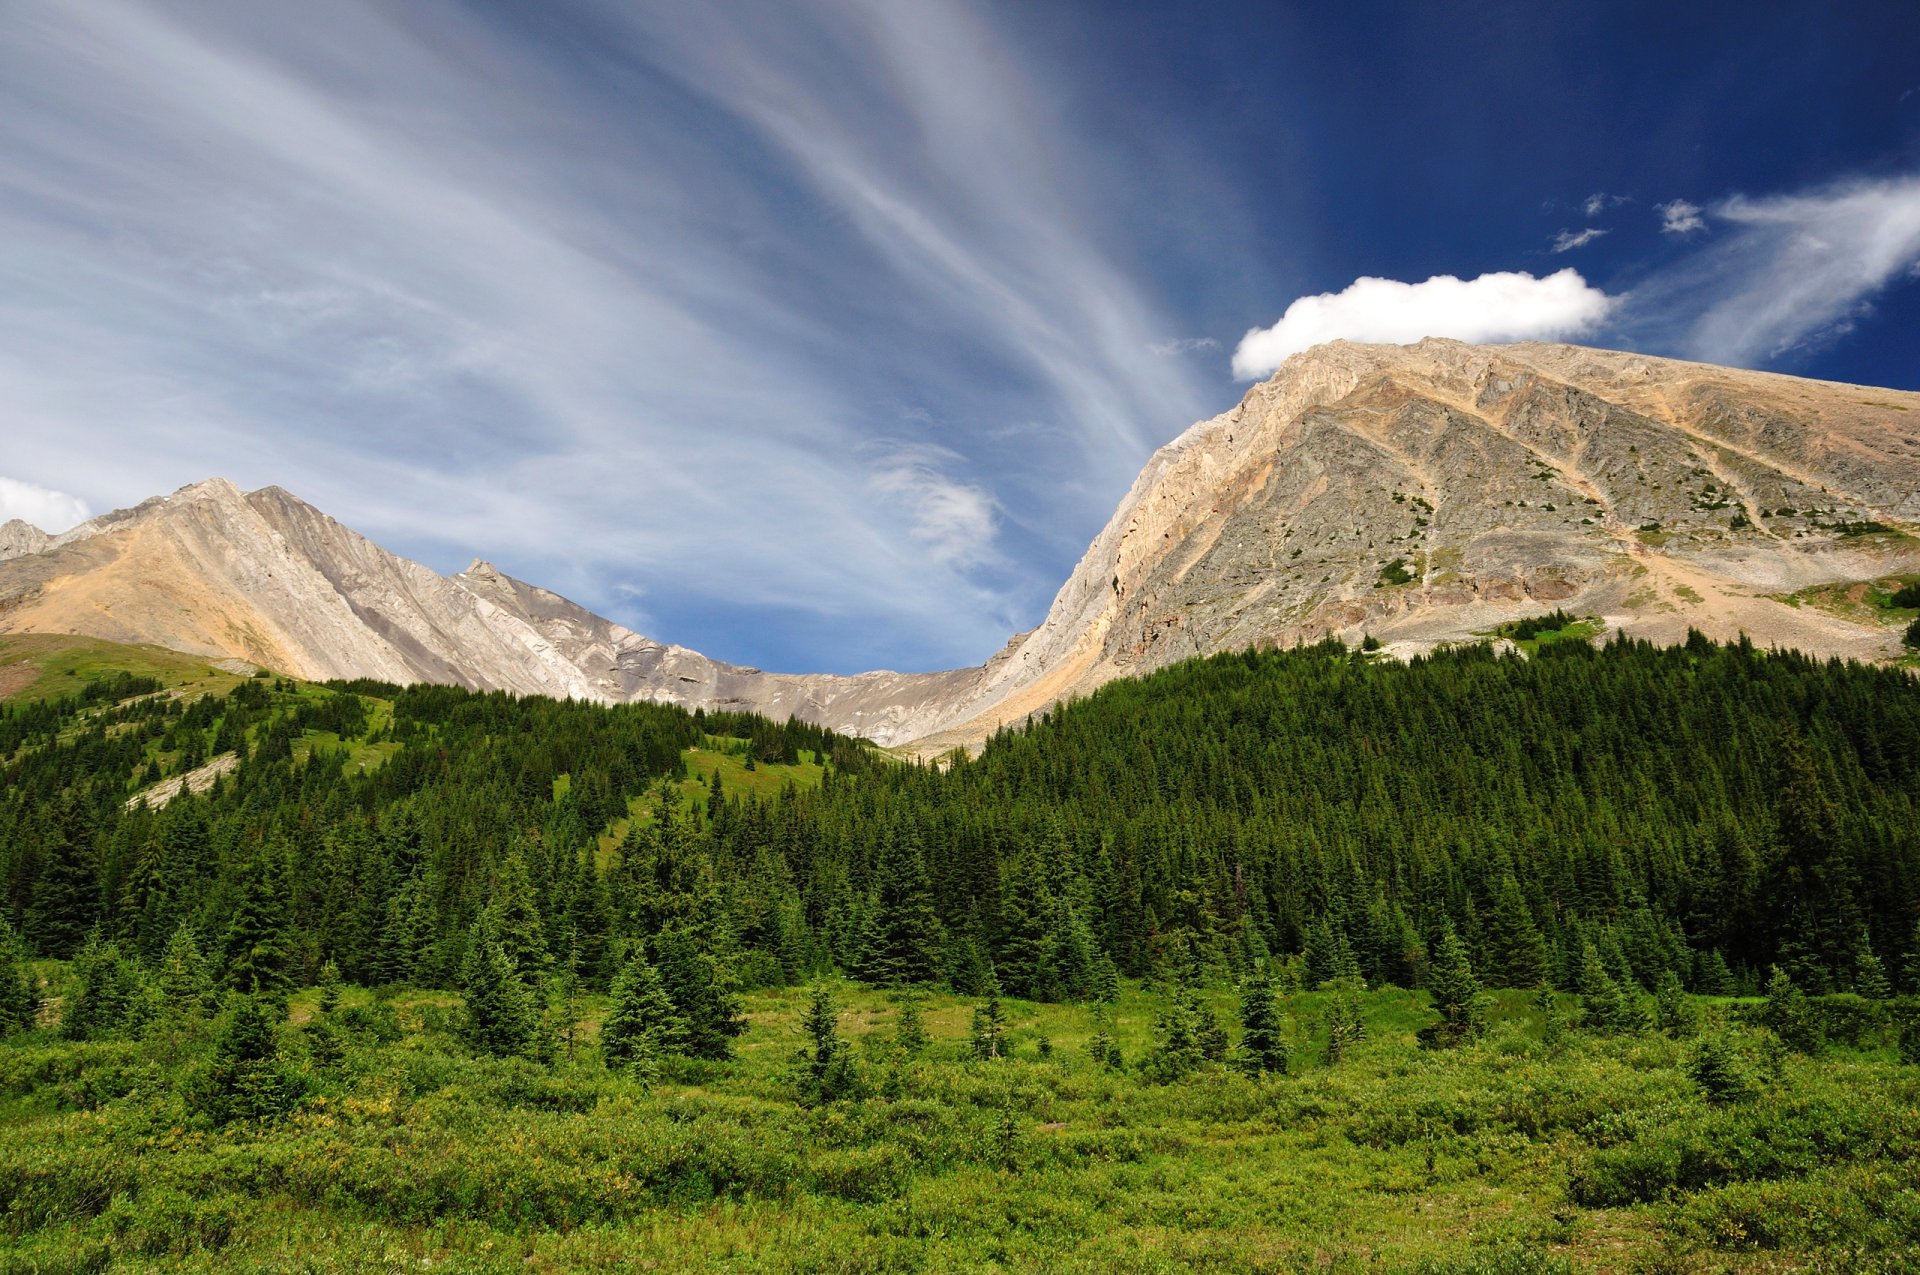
[(1417, 493)]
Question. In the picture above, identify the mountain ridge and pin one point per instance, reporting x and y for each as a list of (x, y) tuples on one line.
[(1419, 493)]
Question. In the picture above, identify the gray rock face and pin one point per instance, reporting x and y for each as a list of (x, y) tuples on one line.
[(19, 538), (1419, 493)]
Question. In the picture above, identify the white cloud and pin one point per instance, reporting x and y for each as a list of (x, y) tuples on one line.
[(1600, 201), (51, 511), (1680, 217), (1798, 268), (1568, 240), (1507, 306), (953, 520), (1184, 345)]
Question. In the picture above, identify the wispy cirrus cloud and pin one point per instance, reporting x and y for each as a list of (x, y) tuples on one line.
[(1568, 240), (1679, 217), (590, 297)]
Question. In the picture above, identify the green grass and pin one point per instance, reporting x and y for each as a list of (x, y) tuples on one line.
[(1860, 601), (725, 757), (1583, 629), (36, 666), (1510, 1156)]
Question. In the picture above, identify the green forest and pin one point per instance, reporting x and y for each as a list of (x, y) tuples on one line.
[(1588, 957)]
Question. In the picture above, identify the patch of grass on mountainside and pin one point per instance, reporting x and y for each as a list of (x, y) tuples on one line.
[(1533, 1150), (726, 757), (38, 666), (1534, 632), (1876, 602)]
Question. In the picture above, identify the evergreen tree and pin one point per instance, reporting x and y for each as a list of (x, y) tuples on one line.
[(258, 956), (513, 919), (1603, 1006), (502, 1017), (1346, 1026), (1455, 991), (1263, 1045), (105, 996), (1870, 976), (1674, 1014), (987, 1038), (1517, 954), (699, 988), (247, 1080), (902, 940), (1025, 907), (1788, 1015), (19, 1002), (643, 1025), (1177, 1047), (185, 980), (827, 1072), (1714, 978), (66, 893), (909, 1031)]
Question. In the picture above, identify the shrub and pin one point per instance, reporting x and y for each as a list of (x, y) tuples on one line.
[(1716, 1067)]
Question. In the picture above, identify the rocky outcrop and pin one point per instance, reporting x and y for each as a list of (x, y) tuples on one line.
[(19, 538), (1418, 493)]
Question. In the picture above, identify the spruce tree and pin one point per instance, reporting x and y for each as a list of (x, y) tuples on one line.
[(987, 1038), (1176, 1050), (501, 1017), (19, 1002), (248, 1080), (701, 993), (1870, 976), (827, 1072), (1263, 1045), (1603, 1006), (513, 916), (902, 940), (258, 956), (1517, 953), (105, 997), (66, 892), (1788, 1015), (909, 1030), (643, 1026), (185, 981), (1714, 978), (1455, 991)]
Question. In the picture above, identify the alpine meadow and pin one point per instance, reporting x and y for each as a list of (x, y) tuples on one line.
[(1303, 960)]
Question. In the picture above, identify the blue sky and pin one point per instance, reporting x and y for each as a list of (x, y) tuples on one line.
[(825, 334)]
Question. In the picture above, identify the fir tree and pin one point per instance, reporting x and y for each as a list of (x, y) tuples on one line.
[(513, 919), (1346, 1025), (1714, 978), (909, 1031), (105, 997), (66, 893), (902, 940), (1176, 1051), (1870, 976), (1788, 1015), (1101, 1046), (185, 981), (1263, 1045), (643, 1026)]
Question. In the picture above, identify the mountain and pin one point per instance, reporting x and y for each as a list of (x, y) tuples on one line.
[(1419, 494)]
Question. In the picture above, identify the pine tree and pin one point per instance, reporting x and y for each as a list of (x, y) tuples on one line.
[(66, 893), (1870, 976), (1788, 1015), (1674, 1014), (502, 1017), (1455, 991), (1913, 961), (643, 1026), (1101, 1046), (105, 998), (1346, 1025), (1025, 906), (909, 1031), (1176, 1050), (1516, 951), (1263, 1045), (902, 940), (1714, 978), (589, 923)]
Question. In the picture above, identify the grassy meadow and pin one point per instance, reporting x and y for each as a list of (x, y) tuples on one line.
[(1538, 1148)]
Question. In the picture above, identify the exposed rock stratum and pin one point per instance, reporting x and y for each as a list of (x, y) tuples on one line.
[(1418, 493)]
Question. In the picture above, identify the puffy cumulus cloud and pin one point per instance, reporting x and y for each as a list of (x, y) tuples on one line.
[(49, 510), (1505, 306), (1680, 217), (1795, 269), (1568, 240), (952, 521)]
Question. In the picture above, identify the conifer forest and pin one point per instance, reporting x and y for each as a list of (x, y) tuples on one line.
[(1598, 957)]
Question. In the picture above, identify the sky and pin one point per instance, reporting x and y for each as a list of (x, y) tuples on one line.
[(826, 334)]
